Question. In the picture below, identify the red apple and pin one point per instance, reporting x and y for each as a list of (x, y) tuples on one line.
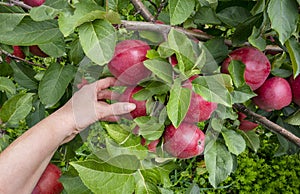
[(35, 50), (127, 63), (127, 96), (245, 125), (199, 109), (258, 66), (34, 3), (17, 52), (295, 86), (151, 146), (184, 142), (49, 181), (274, 94), (173, 60)]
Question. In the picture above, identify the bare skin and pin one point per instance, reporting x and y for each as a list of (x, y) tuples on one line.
[(23, 162)]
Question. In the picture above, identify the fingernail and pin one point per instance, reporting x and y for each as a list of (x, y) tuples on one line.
[(130, 106)]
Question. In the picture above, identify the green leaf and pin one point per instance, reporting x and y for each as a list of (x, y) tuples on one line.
[(294, 119), (152, 88), (54, 49), (43, 12), (178, 103), (54, 83), (293, 47), (74, 185), (219, 162), (180, 10), (7, 86), (217, 48), (252, 139), (242, 94), (234, 141), (256, 40), (233, 16), (98, 40), (24, 75), (16, 108), (237, 69), (259, 7), (150, 127), (37, 114), (206, 15), (86, 11), (161, 69), (284, 16), (213, 88), (8, 21), (117, 133), (29, 32), (76, 53), (102, 178), (142, 186)]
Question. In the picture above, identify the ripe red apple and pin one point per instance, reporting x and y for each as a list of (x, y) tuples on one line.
[(245, 125), (258, 66), (173, 60), (17, 52), (184, 142), (295, 86), (34, 3), (199, 109), (127, 63), (151, 146), (274, 94), (49, 181), (127, 96), (35, 50)]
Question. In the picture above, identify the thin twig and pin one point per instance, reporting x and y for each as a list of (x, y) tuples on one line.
[(160, 8), (268, 124), (20, 4), (140, 7), (20, 59)]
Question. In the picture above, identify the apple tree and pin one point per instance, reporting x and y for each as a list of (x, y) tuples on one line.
[(203, 74)]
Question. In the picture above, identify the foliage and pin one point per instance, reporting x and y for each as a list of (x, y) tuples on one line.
[(80, 38)]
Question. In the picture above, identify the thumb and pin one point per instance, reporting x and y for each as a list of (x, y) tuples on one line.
[(120, 108)]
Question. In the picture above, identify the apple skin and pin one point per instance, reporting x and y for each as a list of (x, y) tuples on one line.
[(274, 94), (258, 66), (127, 96), (199, 109), (186, 141), (34, 3), (295, 86), (127, 63), (245, 125), (152, 145), (49, 181), (17, 52), (35, 50)]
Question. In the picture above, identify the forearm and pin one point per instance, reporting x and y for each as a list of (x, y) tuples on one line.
[(23, 162)]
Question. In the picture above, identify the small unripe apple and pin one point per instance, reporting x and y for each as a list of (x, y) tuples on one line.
[(35, 50), (199, 109), (295, 86), (127, 63), (34, 3), (274, 94), (49, 181), (127, 96), (186, 141), (245, 125), (258, 66)]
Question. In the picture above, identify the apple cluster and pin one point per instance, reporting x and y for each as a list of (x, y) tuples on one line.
[(272, 92), (127, 66)]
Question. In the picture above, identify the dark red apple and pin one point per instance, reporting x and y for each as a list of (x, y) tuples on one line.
[(127, 96), (34, 3), (295, 86), (186, 141), (199, 109), (245, 124), (35, 50), (17, 52), (127, 63), (173, 60), (151, 146), (49, 181), (258, 66), (274, 94)]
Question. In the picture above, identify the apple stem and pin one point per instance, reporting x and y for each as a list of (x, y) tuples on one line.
[(268, 124)]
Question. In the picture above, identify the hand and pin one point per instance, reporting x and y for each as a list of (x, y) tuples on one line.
[(87, 104)]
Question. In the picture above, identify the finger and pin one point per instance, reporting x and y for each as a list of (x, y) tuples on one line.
[(108, 95), (118, 108), (105, 83)]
